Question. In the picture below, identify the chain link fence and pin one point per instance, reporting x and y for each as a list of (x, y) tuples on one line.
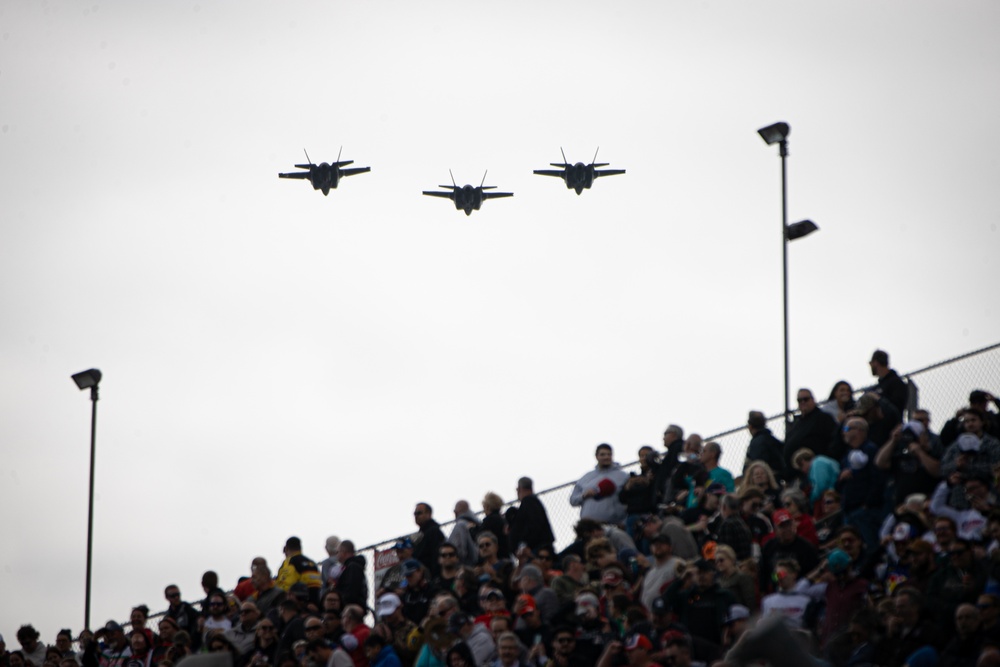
[(941, 388)]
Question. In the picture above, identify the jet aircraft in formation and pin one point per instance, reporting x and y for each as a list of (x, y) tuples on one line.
[(325, 176), (467, 197), (579, 176)]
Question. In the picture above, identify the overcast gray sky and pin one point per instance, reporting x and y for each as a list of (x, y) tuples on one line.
[(278, 362)]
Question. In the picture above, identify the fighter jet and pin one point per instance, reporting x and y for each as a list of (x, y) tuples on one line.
[(579, 176), (467, 197), (324, 176)]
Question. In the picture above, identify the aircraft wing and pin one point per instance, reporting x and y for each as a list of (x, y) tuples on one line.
[(355, 170), (550, 172), (446, 195), (295, 174), (609, 172), (497, 195)]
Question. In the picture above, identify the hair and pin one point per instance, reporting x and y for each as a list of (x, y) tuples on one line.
[(211, 580), (27, 632), (801, 456), (145, 637), (772, 483), (756, 419), (142, 609), (726, 551), (347, 545), (880, 357), (317, 644), (569, 559), (676, 430), (506, 636), (859, 422), (584, 528), (731, 502), (526, 483), (831, 493), (65, 632), (838, 385), (597, 548), (171, 586), (796, 497), (488, 535), (375, 640), (354, 612), (603, 445), (462, 650), (713, 449), (430, 510), (493, 502)]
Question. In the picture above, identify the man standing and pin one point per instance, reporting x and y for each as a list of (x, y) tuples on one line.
[(330, 567), (763, 445), (427, 542), (890, 386), (813, 428), (596, 493), (268, 596), (297, 568), (352, 583), (184, 613), (786, 545), (529, 523), (395, 626)]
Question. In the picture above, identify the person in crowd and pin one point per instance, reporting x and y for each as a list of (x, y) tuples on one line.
[(890, 386), (428, 539), (908, 629), (661, 572), (700, 603), (298, 568), (980, 401), (529, 522), (840, 401), (732, 531), (494, 522), (880, 414), (910, 461), (463, 531), (32, 649), (324, 654), (739, 583), (352, 584), (785, 545), (829, 516), (639, 492), (811, 429), (596, 493), (759, 475), (673, 446), (268, 597), (244, 632), (795, 502), (355, 634), (861, 483), (330, 567), (763, 447), (711, 454), (786, 600)]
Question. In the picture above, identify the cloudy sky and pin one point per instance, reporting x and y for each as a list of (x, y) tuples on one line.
[(278, 362)]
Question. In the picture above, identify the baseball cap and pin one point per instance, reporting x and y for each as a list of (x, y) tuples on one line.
[(638, 640), (736, 613), (780, 517), (388, 604)]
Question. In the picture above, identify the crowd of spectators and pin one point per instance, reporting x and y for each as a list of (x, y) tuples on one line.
[(862, 539)]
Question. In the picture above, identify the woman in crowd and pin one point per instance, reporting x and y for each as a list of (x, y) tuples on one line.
[(797, 505), (731, 578), (494, 522), (759, 475), (841, 401)]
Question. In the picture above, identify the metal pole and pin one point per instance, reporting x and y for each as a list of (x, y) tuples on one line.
[(784, 272), (90, 510)]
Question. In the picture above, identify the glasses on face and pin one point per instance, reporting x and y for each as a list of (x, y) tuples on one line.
[(247, 611), (804, 399), (448, 554), (484, 545), (173, 596), (313, 628)]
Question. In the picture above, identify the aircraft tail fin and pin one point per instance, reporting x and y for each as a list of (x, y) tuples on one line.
[(484, 179)]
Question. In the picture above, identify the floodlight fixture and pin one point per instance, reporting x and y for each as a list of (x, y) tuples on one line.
[(799, 229), (88, 378), (776, 133)]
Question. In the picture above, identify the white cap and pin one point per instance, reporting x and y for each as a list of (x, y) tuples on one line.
[(967, 442), (388, 604)]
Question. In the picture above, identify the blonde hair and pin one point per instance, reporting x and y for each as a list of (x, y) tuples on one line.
[(492, 502), (747, 482)]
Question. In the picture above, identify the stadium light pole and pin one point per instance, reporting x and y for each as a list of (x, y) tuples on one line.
[(89, 379), (778, 134)]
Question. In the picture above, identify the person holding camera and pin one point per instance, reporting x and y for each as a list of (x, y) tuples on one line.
[(912, 459)]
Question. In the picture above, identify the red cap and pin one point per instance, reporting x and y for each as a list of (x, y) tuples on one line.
[(606, 487), (780, 517)]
